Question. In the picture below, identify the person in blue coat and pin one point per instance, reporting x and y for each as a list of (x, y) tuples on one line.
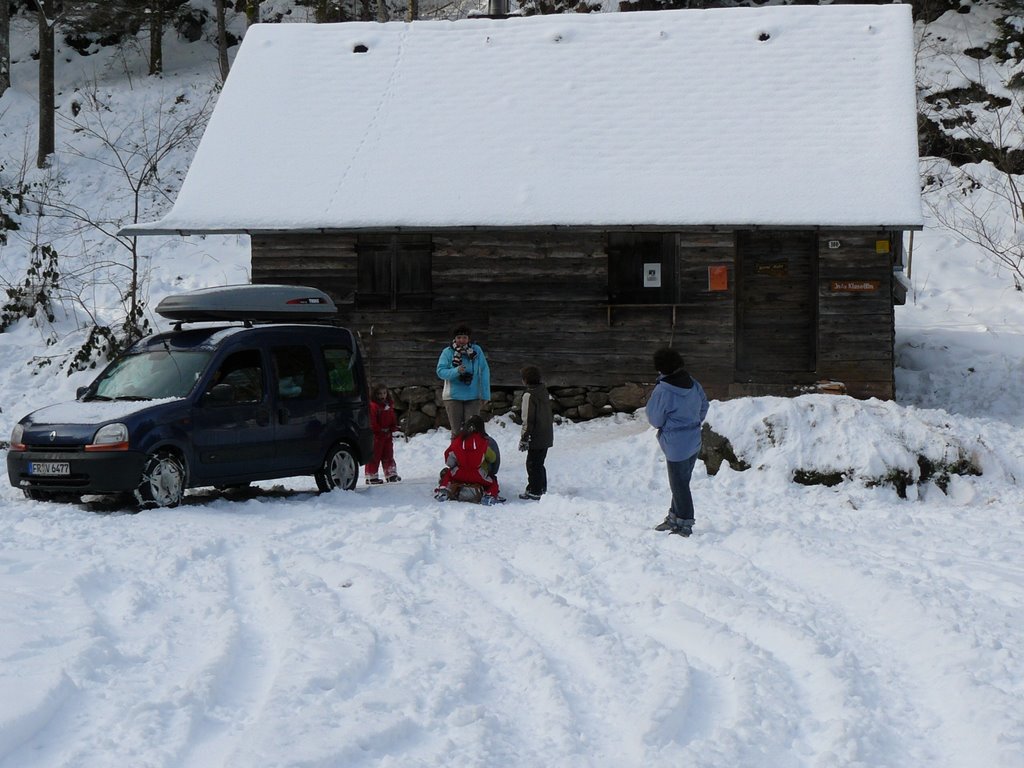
[(463, 368), (677, 408)]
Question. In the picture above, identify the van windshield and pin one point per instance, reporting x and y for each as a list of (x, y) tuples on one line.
[(152, 375)]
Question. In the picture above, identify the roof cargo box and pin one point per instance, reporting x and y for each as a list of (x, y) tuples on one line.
[(248, 302)]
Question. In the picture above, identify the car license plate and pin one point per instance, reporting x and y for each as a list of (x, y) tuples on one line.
[(49, 468)]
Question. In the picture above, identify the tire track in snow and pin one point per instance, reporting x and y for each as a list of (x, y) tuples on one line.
[(811, 694), (569, 641), (737, 682), (243, 676), (917, 655)]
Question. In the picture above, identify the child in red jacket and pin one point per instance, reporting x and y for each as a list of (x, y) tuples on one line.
[(384, 424), (471, 460)]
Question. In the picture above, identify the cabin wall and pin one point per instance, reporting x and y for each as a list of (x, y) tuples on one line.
[(705, 330), (856, 321), (531, 298), (541, 298), (327, 262)]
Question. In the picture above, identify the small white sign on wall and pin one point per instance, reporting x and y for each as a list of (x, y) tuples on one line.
[(652, 275)]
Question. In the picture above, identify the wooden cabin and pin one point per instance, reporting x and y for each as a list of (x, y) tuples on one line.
[(735, 183), (753, 311)]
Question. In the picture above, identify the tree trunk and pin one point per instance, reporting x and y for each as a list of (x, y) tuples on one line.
[(413, 12), (222, 41), (46, 85), (382, 11), (156, 37), (5, 46), (252, 12)]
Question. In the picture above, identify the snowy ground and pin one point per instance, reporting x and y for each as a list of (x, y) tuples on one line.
[(800, 626)]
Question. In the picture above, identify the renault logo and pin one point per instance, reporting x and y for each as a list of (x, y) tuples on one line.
[(53, 436)]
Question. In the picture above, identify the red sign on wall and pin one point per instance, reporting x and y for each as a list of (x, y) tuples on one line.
[(718, 278)]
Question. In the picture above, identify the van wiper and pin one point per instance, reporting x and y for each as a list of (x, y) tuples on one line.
[(98, 397), (123, 398)]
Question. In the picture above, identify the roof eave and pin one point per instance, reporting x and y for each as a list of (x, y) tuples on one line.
[(188, 231)]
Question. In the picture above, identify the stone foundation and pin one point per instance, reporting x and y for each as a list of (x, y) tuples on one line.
[(419, 408)]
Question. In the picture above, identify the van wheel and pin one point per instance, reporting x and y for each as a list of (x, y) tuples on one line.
[(163, 481), (339, 470)]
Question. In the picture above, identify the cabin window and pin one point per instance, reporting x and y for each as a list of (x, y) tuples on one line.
[(641, 268), (394, 271)]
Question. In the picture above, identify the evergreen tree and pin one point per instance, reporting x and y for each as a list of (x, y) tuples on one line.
[(252, 12)]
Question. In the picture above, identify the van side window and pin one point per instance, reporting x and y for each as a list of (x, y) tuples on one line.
[(239, 379), (338, 363), (295, 373)]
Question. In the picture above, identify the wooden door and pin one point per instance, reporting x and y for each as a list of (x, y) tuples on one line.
[(776, 325)]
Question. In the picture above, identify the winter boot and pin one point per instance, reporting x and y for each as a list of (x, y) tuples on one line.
[(374, 479), (676, 525), (683, 527), (667, 524), (394, 479)]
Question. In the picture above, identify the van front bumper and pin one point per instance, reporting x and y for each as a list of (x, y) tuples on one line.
[(99, 472)]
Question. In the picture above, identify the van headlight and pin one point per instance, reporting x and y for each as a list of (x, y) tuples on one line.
[(17, 435), (111, 437)]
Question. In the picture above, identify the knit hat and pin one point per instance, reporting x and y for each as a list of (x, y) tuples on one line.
[(667, 360)]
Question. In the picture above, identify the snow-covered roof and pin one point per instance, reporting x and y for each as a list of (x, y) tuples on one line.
[(777, 116)]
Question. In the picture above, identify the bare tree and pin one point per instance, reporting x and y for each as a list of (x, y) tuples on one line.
[(47, 21), (222, 41), (976, 208), (382, 11), (5, 46), (165, 129), (156, 37), (981, 127), (136, 147)]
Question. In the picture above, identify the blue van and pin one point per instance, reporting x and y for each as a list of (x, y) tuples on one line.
[(232, 395)]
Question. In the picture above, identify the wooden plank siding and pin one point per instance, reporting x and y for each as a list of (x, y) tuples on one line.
[(325, 262), (541, 297), (776, 305), (856, 329)]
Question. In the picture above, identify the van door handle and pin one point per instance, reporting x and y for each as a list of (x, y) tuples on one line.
[(262, 417)]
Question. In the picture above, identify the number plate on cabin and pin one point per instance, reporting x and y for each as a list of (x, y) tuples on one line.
[(49, 468)]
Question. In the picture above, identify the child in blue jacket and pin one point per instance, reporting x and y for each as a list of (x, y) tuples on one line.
[(677, 408)]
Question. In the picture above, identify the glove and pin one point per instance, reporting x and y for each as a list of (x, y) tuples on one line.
[(466, 377), (524, 444)]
